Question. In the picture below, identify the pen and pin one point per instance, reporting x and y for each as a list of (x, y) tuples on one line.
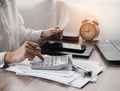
[(86, 74), (39, 54), (38, 48)]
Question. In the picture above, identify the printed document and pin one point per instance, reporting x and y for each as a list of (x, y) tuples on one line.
[(68, 77)]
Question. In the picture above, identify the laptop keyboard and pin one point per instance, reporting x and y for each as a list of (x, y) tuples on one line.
[(116, 43), (110, 49)]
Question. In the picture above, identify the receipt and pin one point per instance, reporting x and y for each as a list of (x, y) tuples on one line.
[(63, 20)]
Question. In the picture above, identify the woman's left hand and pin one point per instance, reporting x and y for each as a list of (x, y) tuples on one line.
[(50, 32)]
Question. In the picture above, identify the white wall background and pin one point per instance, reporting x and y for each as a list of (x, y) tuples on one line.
[(107, 13), (38, 14)]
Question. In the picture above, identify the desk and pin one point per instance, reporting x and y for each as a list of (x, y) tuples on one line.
[(109, 80)]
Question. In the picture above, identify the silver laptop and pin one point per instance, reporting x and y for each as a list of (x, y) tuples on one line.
[(110, 49)]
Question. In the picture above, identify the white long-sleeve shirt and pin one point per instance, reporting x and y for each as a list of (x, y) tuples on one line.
[(12, 30)]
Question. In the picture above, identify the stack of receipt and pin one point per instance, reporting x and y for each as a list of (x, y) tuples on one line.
[(67, 77)]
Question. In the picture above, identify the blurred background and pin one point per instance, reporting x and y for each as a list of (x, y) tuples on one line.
[(43, 14)]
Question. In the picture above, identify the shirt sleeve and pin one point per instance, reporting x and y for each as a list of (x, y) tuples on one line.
[(2, 56), (27, 34)]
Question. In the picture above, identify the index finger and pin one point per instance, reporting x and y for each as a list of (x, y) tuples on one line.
[(40, 55), (32, 44)]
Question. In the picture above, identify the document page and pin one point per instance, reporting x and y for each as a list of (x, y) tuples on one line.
[(67, 77), (64, 19)]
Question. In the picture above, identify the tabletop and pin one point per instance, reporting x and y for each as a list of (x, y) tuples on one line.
[(108, 80)]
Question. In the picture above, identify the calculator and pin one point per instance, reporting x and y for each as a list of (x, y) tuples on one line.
[(50, 63)]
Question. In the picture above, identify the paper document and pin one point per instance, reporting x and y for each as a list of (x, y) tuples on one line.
[(64, 19), (68, 77), (59, 76)]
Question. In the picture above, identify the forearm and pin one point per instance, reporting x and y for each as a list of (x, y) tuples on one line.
[(9, 58), (27, 50), (29, 35)]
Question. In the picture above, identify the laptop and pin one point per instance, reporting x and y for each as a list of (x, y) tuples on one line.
[(110, 49)]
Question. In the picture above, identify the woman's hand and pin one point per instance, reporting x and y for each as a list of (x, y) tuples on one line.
[(50, 32), (27, 50)]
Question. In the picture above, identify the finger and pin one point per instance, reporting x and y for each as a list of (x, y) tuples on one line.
[(58, 30), (32, 44), (31, 48), (34, 52), (56, 27), (37, 48), (40, 55), (30, 53), (30, 59), (55, 31)]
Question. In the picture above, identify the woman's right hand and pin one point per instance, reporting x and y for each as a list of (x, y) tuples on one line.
[(27, 50)]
